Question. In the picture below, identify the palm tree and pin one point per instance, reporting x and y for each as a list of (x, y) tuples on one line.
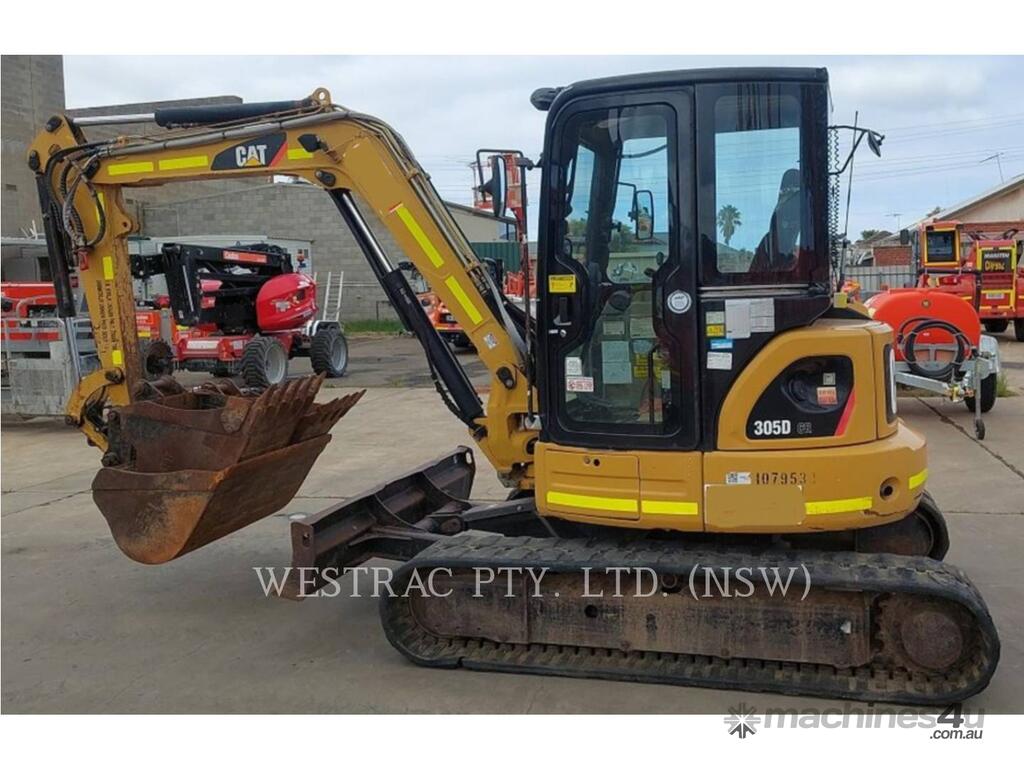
[(728, 220)]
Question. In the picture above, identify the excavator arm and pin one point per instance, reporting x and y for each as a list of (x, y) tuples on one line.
[(345, 153), (182, 468)]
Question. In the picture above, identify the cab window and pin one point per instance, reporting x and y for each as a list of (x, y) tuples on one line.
[(759, 186)]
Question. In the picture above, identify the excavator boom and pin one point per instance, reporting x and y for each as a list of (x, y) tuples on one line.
[(344, 152)]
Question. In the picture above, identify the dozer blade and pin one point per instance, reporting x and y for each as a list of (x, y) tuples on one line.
[(189, 468)]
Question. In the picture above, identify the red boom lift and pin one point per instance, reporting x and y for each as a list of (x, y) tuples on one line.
[(247, 312)]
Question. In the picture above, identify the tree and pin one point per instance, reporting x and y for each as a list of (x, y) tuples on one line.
[(866, 234), (728, 220)]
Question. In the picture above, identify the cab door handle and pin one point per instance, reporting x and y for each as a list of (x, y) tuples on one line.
[(563, 315)]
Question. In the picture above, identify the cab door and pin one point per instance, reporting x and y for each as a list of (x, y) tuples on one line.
[(617, 326)]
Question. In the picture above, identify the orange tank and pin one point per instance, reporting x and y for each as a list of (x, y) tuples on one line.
[(904, 308)]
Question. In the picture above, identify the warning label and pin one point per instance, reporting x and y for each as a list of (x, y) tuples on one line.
[(562, 283)]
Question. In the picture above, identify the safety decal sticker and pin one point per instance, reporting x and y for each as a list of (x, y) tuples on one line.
[(615, 368), (720, 344), (574, 366), (719, 361), (737, 478), (579, 384), (827, 396), (737, 318), (714, 330), (762, 315), (561, 283)]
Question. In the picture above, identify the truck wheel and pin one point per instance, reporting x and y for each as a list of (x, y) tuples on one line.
[(264, 362), (1018, 328), (157, 358), (328, 352), (988, 395), (996, 326), (462, 341)]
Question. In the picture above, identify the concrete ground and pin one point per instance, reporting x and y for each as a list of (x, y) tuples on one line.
[(87, 630)]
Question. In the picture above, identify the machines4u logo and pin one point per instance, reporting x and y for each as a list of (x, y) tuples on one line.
[(261, 152)]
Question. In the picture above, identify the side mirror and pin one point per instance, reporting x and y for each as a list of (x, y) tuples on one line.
[(495, 186), (904, 237), (643, 214), (875, 142)]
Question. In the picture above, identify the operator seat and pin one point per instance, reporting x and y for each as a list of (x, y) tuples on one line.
[(777, 250)]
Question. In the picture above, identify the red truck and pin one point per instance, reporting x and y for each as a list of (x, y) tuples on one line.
[(978, 262)]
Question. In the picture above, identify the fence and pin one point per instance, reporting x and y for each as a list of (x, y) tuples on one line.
[(42, 363), (875, 279)]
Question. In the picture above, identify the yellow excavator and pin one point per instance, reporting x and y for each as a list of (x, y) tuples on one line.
[(692, 397)]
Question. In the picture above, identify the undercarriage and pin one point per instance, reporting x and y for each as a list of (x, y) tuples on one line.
[(874, 616)]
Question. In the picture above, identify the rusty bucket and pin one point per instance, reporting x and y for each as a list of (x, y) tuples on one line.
[(186, 469)]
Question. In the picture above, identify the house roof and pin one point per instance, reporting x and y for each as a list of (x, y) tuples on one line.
[(477, 212), (1000, 189), (878, 237)]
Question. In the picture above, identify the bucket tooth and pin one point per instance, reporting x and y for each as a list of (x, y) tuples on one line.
[(321, 417), (272, 420)]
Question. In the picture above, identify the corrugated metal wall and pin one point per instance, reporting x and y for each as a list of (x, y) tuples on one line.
[(505, 252)]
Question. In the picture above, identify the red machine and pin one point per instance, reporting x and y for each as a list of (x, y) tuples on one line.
[(979, 263), (506, 174), (243, 311), (23, 302), (443, 321), (938, 346), (506, 167)]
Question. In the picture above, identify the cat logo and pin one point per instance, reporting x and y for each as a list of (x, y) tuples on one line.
[(251, 154), (261, 152)]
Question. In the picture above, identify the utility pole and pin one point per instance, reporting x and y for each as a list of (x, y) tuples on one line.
[(996, 157)]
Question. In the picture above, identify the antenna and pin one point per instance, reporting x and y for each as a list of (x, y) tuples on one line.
[(849, 192), (895, 215), (995, 157)]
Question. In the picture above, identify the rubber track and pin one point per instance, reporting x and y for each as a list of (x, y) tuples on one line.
[(879, 681)]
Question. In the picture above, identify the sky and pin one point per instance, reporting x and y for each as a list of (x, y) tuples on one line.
[(942, 116)]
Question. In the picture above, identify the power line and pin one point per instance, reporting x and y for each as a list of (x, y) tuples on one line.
[(954, 122)]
